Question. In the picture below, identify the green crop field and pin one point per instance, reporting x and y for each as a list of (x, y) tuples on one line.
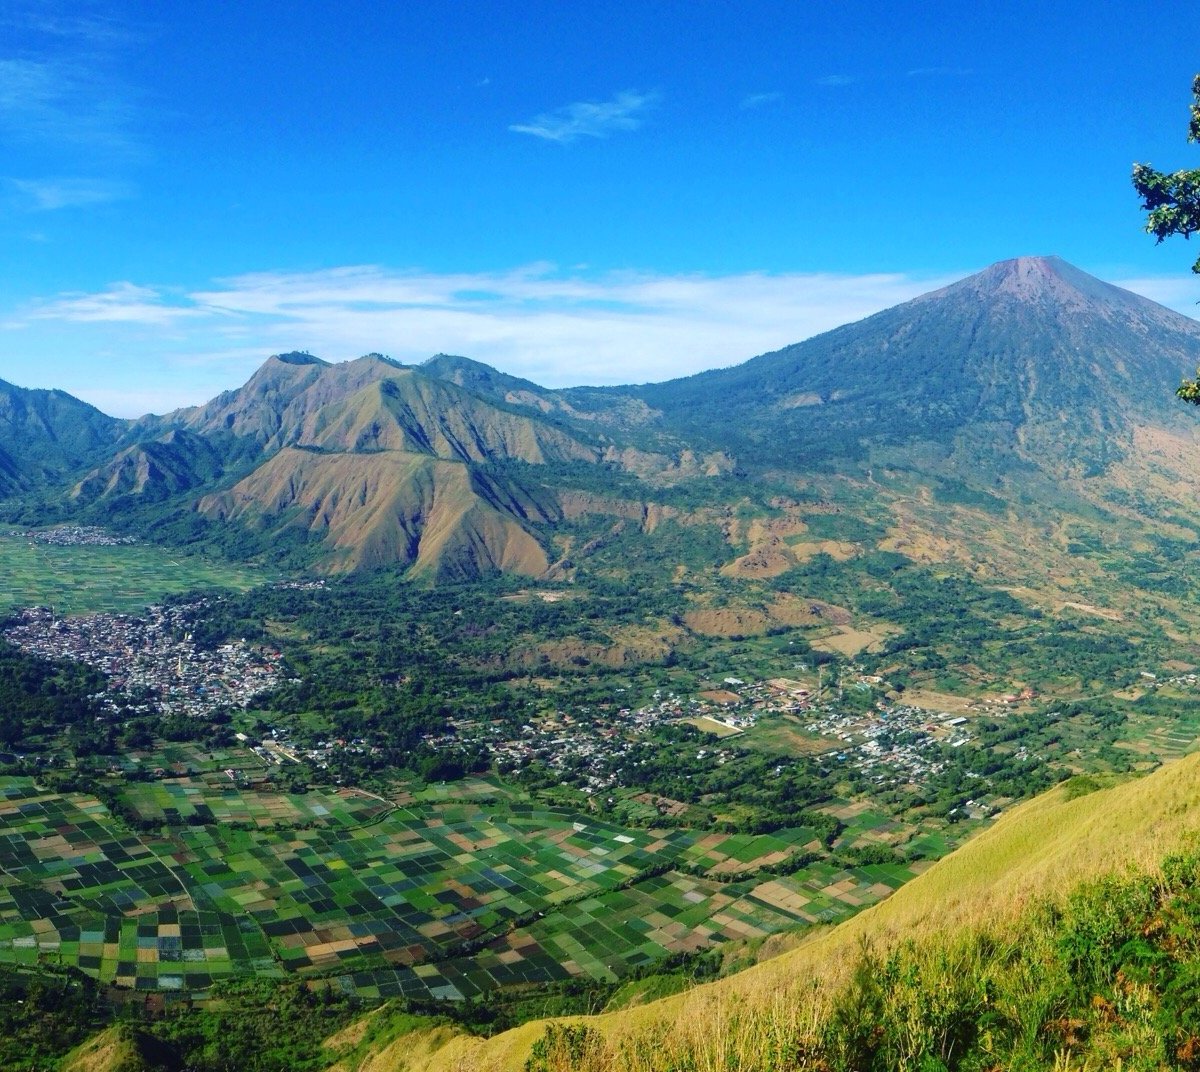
[(124, 578), (442, 899), (184, 801)]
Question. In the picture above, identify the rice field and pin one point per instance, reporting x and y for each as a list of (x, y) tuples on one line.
[(445, 899)]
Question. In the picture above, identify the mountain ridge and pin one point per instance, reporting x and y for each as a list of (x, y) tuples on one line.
[(1030, 370)]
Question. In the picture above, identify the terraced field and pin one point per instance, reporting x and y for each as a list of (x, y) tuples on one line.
[(445, 899)]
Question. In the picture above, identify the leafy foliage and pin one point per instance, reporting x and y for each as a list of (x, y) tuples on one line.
[(44, 1015), (1171, 200), (38, 698)]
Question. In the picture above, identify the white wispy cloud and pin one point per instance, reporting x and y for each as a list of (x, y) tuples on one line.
[(836, 80), (63, 104), (120, 303), (757, 100), (50, 194), (939, 72), (590, 119), (1179, 292), (60, 21), (146, 347), (66, 112), (555, 327)]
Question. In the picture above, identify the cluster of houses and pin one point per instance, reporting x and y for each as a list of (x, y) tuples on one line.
[(75, 536), (1188, 680), (151, 662), (278, 748), (153, 665), (891, 744)]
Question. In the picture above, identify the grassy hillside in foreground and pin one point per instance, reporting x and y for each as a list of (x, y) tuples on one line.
[(988, 892)]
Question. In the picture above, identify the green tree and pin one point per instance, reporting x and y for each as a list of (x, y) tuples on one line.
[(1171, 200)]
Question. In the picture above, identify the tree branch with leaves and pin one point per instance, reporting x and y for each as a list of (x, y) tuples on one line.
[(1171, 200)]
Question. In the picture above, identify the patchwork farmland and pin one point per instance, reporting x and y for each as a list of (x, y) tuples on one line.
[(434, 899), (114, 578)]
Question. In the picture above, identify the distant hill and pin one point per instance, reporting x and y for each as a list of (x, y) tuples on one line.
[(45, 435), (376, 462), (391, 507), (154, 469), (119, 1049)]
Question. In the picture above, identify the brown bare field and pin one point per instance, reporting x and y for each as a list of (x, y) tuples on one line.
[(776, 735), (930, 700), (1087, 608), (849, 641), (711, 725), (726, 621)]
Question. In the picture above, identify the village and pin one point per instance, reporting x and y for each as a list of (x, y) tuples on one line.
[(892, 744), (74, 536), (152, 663), (154, 667)]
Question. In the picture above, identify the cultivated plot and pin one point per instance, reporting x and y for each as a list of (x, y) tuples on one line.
[(120, 579), (445, 899)]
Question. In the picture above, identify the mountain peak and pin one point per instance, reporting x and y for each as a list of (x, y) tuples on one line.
[(296, 357), (1022, 274), (377, 359), (445, 362), (1056, 367), (1041, 279)]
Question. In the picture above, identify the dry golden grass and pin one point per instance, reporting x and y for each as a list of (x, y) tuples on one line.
[(110, 1051), (850, 641), (1040, 848), (404, 1054), (711, 725), (939, 702), (727, 621), (364, 508)]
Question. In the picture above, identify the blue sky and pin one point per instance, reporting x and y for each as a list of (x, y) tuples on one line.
[(584, 192)]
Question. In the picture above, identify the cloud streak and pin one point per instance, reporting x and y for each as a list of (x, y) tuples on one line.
[(557, 328), (590, 119), (120, 303), (757, 100), (80, 26), (64, 110), (152, 347), (63, 105), (52, 194)]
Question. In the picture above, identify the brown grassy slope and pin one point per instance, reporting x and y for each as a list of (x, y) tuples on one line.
[(1041, 847), (172, 462), (254, 409), (388, 507), (113, 1050), (373, 403), (409, 1051), (408, 411)]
